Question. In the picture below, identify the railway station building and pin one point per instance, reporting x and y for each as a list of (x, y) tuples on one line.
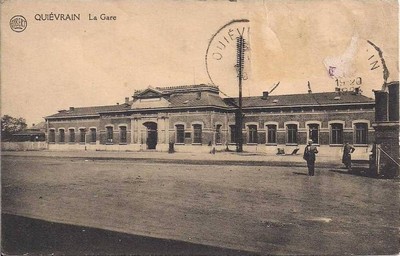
[(195, 118)]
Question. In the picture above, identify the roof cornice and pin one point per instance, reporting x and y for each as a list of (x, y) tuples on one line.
[(313, 105), (75, 116)]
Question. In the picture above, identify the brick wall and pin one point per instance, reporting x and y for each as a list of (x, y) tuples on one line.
[(209, 120), (115, 123), (76, 124), (387, 136)]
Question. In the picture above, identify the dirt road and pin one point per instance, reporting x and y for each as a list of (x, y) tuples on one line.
[(267, 210)]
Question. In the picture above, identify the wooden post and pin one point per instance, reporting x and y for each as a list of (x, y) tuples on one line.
[(239, 112)]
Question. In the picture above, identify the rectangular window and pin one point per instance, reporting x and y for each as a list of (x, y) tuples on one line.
[(292, 134), (110, 134), (71, 135), (197, 132), (271, 133), (361, 133), (122, 134), (180, 133), (252, 134), (82, 133), (93, 135), (233, 133), (313, 133), (218, 134), (62, 135), (336, 133)]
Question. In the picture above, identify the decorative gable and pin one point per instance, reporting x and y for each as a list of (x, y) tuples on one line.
[(143, 103), (148, 94)]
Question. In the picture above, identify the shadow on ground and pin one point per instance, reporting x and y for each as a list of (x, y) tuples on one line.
[(300, 173), (21, 235), (355, 171)]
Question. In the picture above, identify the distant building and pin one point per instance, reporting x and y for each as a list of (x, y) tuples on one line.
[(33, 133), (194, 117)]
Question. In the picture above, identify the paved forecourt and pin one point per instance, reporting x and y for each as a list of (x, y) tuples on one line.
[(193, 158), (261, 209)]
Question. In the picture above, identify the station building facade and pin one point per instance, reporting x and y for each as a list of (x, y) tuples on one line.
[(195, 118)]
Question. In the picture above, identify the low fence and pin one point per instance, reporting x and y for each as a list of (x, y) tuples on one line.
[(23, 146)]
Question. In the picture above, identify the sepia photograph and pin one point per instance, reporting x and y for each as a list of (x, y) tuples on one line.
[(230, 127)]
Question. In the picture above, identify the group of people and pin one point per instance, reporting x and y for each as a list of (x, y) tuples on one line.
[(310, 152)]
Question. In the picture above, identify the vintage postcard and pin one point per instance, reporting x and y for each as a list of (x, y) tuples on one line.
[(200, 127)]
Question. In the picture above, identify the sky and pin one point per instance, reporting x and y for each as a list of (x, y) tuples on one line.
[(56, 64)]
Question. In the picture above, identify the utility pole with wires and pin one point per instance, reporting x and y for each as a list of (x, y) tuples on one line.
[(240, 44)]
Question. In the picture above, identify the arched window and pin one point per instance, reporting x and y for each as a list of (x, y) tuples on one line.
[(361, 133), (232, 129), (71, 135), (93, 135), (180, 133), (110, 134), (82, 132), (197, 133), (218, 134), (313, 133), (336, 133), (291, 133), (271, 133), (122, 134), (252, 136), (62, 135), (52, 136)]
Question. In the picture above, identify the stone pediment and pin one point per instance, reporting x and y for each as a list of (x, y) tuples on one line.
[(149, 93), (156, 102)]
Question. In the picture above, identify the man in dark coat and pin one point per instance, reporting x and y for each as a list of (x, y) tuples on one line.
[(309, 156), (346, 159)]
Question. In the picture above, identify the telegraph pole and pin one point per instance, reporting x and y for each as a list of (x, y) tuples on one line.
[(239, 113)]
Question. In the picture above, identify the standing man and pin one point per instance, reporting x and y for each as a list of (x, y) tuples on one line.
[(309, 156), (346, 159)]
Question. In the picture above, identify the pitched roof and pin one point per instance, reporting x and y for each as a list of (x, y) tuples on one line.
[(28, 133), (38, 126), (89, 111), (209, 98), (177, 89), (193, 99), (308, 99)]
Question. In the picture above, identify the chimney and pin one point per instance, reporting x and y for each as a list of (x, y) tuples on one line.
[(126, 100), (357, 90), (198, 96), (33, 125), (265, 95), (393, 101), (381, 106), (71, 108), (337, 89)]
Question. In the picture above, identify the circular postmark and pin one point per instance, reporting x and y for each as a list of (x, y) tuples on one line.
[(18, 23), (361, 68), (221, 54)]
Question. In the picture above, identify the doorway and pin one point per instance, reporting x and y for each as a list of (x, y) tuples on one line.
[(151, 140)]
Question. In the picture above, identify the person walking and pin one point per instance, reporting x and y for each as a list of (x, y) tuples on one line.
[(346, 158), (309, 156)]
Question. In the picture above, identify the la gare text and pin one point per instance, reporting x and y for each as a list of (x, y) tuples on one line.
[(102, 17), (72, 17)]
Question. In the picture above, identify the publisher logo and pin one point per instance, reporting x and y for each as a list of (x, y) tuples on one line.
[(18, 23)]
